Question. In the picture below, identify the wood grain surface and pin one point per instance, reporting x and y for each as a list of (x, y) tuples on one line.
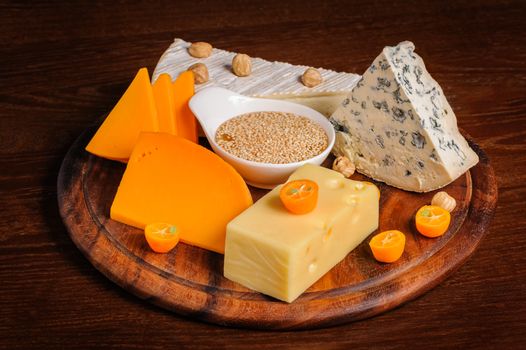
[(64, 64), (190, 282)]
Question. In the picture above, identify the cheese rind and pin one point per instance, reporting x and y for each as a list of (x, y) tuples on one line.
[(397, 126), (268, 79), (281, 254), (173, 180)]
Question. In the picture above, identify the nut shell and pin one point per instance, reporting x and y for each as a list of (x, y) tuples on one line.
[(200, 49), (311, 77), (444, 200), (343, 165), (242, 65), (200, 72)]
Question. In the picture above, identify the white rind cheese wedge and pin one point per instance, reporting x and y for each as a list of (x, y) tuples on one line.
[(281, 254), (276, 80), (396, 125)]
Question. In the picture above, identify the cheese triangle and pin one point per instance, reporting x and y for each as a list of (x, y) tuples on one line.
[(186, 123), (135, 112), (397, 126), (170, 179), (164, 94)]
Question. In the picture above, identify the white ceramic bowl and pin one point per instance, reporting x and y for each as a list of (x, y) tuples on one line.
[(213, 106)]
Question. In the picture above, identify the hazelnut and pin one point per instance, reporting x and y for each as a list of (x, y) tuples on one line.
[(200, 72), (444, 200), (200, 49), (241, 65), (311, 77), (343, 165)]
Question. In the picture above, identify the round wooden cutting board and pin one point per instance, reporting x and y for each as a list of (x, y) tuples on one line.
[(190, 281)]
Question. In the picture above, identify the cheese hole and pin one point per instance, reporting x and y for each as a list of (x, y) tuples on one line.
[(356, 218), (320, 225), (307, 251), (313, 266), (327, 235), (351, 200), (335, 184)]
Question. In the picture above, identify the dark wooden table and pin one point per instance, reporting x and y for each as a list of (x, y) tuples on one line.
[(63, 65)]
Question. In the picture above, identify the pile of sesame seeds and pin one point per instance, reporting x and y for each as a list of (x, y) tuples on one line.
[(271, 137)]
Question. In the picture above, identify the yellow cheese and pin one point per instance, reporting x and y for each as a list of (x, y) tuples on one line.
[(164, 94), (280, 254), (170, 179), (135, 112)]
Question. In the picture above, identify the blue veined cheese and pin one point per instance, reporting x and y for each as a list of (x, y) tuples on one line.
[(275, 80), (397, 126)]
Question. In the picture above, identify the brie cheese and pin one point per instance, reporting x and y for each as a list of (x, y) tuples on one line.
[(276, 80)]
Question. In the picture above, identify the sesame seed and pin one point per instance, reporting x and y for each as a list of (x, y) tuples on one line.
[(272, 137)]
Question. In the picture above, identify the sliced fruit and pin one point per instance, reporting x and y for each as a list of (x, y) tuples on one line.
[(432, 221), (161, 237), (299, 196), (388, 246)]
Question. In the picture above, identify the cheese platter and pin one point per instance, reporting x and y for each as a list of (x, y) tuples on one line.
[(314, 247)]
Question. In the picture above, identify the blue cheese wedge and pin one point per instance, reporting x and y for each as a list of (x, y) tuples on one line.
[(276, 80), (397, 127)]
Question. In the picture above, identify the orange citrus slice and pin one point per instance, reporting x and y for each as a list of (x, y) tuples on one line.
[(388, 246), (432, 220), (299, 196), (161, 237)]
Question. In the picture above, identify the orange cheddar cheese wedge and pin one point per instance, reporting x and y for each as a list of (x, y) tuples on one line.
[(185, 120), (135, 112), (171, 179), (164, 95)]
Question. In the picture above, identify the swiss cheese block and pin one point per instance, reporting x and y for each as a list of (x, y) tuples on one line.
[(281, 254), (397, 126), (186, 123), (135, 112), (170, 179), (164, 94)]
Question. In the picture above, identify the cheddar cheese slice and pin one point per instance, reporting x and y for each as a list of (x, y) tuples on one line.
[(185, 121), (135, 112), (170, 179), (164, 94)]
